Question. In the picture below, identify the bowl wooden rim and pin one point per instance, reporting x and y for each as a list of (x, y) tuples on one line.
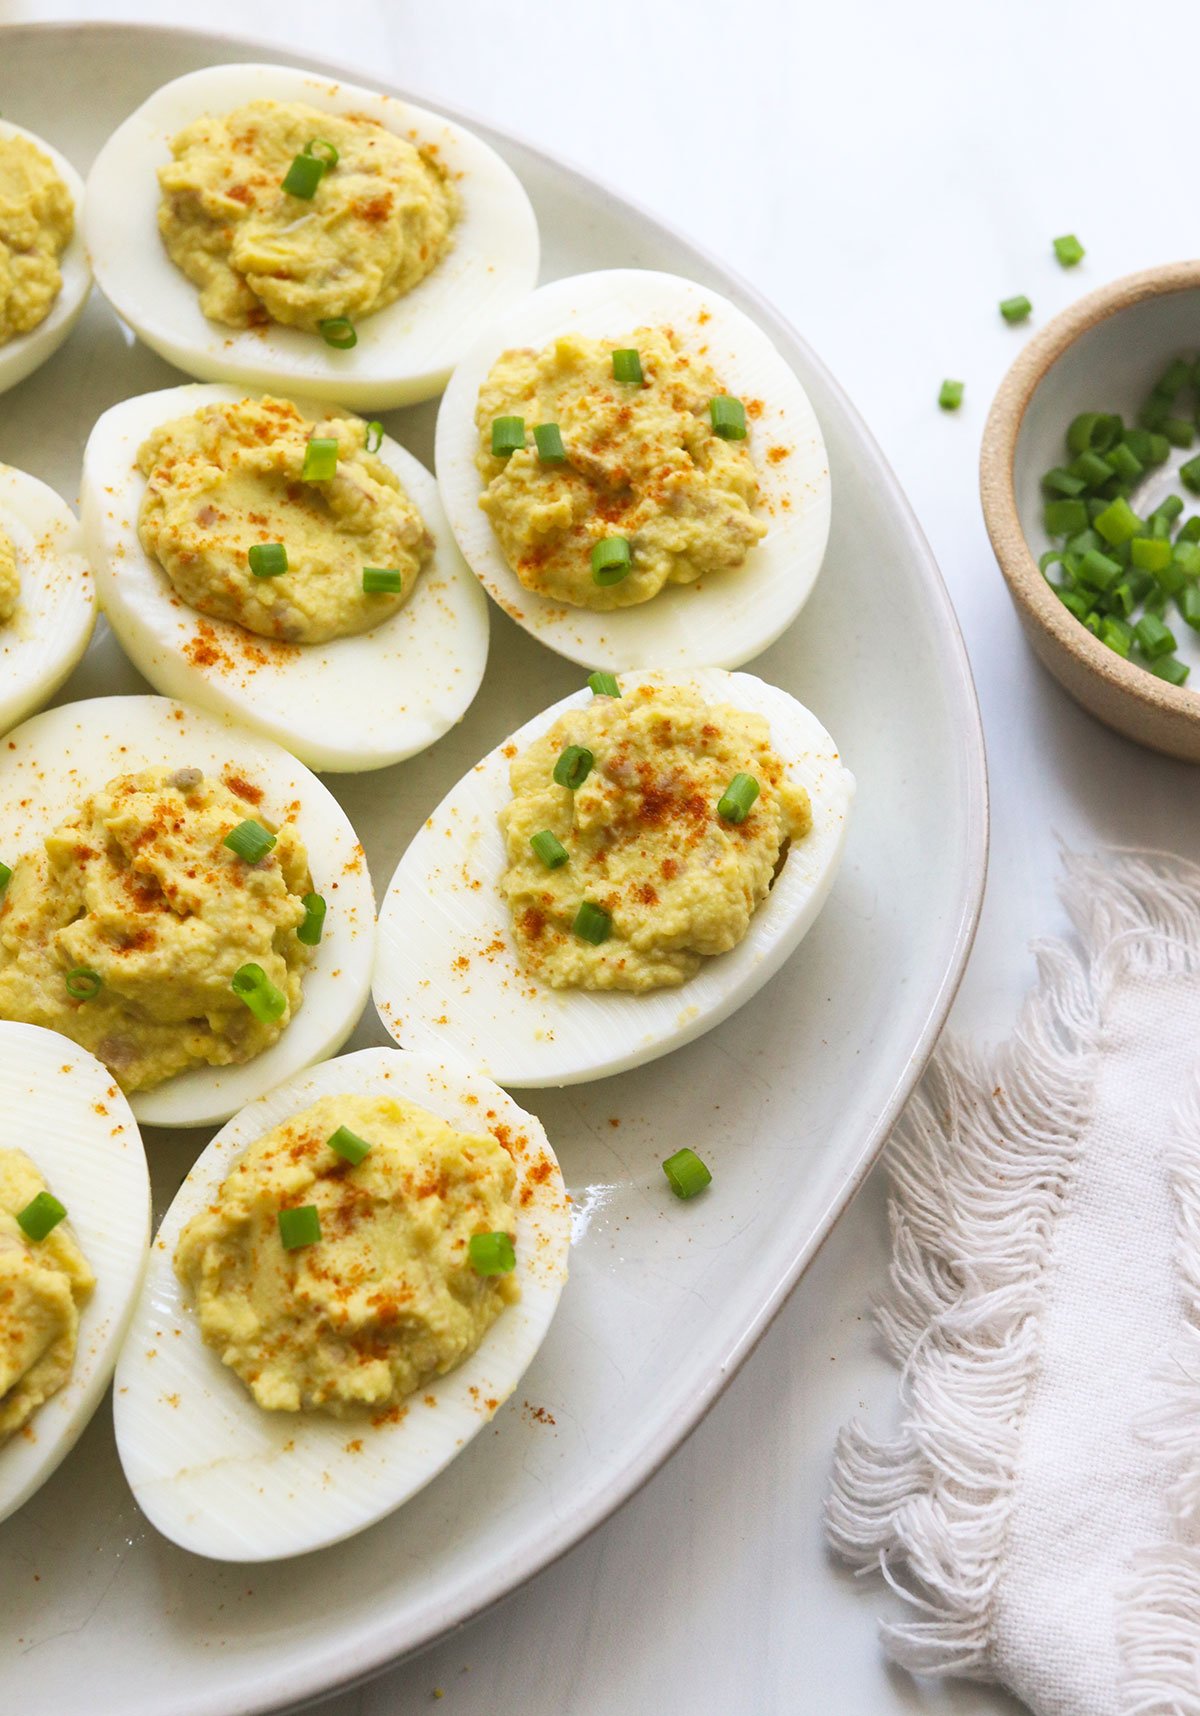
[(1027, 586)]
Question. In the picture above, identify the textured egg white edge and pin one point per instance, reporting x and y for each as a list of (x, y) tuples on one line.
[(132, 585), (727, 611), (494, 257), (605, 1033), (124, 734), (96, 1166), (56, 611), (162, 1444), (19, 357)]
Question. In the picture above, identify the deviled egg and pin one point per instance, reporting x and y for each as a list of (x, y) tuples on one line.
[(182, 898), (615, 879), (74, 1230), (363, 648), (634, 473), (47, 594), (42, 291), (350, 1282), (267, 226)]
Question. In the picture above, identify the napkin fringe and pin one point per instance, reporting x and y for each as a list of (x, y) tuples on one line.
[(980, 1168)]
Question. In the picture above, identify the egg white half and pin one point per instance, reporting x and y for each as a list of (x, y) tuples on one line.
[(355, 703), (447, 971), (63, 1109), (223, 1478), (721, 620), (404, 352), (19, 357), (56, 612), (54, 761)]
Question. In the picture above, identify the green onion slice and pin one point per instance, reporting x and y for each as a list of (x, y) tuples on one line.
[(592, 923), (251, 984), (40, 1216), (728, 417), (348, 1145), (1153, 637), (374, 436), (1118, 522), (549, 442), (320, 459), (734, 803), (1093, 432), (250, 840), (686, 1173), (573, 767), (299, 1226), (611, 560), (508, 436), (1015, 309), (627, 366), (1068, 250), (382, 580), (338, 331), (603, 684), (309, 932), (322, 150), (492, 1253), (950, 395), (83, 984), (550, 849), (267, 559), (303, 177), (1189, 475)]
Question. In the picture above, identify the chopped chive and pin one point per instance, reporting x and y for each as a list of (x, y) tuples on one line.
[(547, 438), (267, 559), (1140, 443), (1062, 482), (299, 1226), (1117, 523), (1178, 431), (1187, 556), (1068, 250), (950, 395), (1151, 553), (1125, 462), (1117, 635), (611, 560), (1015, 309), (309, 932), (508, 436), (592, 923), (1159, 451), (686, 1173), (1065, 517), (1169, 668), (322, 150), (1168, 510), (1170, 578), (1153, 637), (348, 1145), (250, 840), (338, 331), (1091, 468), (550, 849), (320, 459), (1190, 532), (1093, 432), (1189, 475), (1098, 570), (573, 767), (251, 984), (40, 1216), (603, 684), (1187, 600), (728, 417), (303, 177), (374, 439), (735, 802), (492, 1253), (1075, 603), (1122, 599), (83, 984), (382, 580), (627, 366), (5, 876)]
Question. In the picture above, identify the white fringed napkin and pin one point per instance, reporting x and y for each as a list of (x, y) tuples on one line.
[(1039, 1507)]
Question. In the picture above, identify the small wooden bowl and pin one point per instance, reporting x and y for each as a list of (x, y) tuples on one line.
[(1103, 354)]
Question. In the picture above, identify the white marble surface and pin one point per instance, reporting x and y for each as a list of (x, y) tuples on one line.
[(886, 174)]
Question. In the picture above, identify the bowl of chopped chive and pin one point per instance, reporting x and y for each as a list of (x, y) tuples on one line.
[(1090, 480)]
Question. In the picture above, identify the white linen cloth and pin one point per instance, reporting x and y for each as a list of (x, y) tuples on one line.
[(1039, 1506)]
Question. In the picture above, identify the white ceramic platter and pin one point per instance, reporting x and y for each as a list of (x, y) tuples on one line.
[(789, 1101)]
